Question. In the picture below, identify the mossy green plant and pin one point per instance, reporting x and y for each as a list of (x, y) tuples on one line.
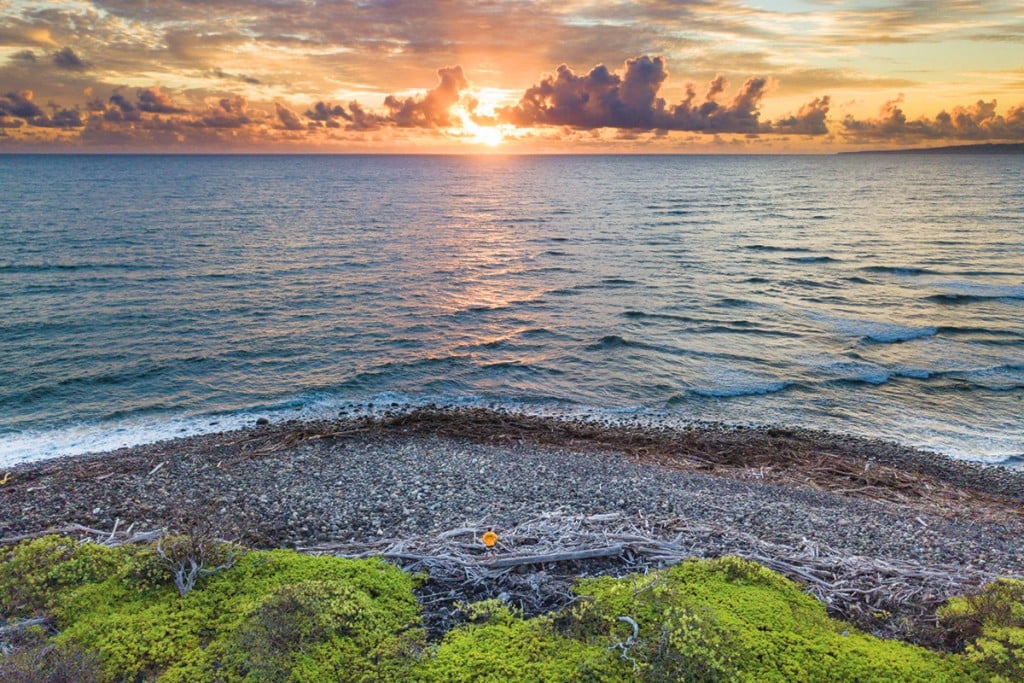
[(34, 573), (716, 620), (109, 601), (284, 616), (990, 628)]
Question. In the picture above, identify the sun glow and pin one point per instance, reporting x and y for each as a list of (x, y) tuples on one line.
[(491, 136), (472, 132)]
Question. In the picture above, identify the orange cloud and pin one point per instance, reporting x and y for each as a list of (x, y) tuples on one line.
[(979, 121)]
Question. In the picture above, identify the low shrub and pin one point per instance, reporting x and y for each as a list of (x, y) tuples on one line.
[(284, 616), (117, 603), (989, 627), (714, 620)]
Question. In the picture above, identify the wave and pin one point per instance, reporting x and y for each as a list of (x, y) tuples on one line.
[(772, 247), (899, 270), (874, 379), (895, 334), (639, 315), (873, 331), (755, 389), (962, 330), (1009, 377), (519, 367), (812, 259), (731, 302), (957, 299), (610, 341), (912, 373)]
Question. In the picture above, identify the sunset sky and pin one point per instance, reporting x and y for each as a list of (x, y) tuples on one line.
[(510, 76)]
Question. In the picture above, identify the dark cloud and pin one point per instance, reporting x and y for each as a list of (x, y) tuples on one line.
[(65, 58), (156, 102), (433, 109), (229, 112), (19, 104), (325, 112), (121, 109), (603, 99), (809, 120), (361, 119), (24, 58), (430, 110), (289, 119), (61, 118), (979, 121), (220, 73)]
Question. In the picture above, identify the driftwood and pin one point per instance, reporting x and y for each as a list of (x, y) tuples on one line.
[(539, 560), (891, 598), (570, 556), (113, 537)]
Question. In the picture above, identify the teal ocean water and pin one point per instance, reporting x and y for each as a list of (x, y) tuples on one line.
[(145, 297)]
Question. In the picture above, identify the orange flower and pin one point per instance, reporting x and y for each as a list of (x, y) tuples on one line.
[(489, 538)]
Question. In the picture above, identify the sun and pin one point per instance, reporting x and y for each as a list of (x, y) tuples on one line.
[(472, 132), (485, 135)]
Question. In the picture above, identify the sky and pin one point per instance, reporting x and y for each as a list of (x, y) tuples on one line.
[(480, 76)]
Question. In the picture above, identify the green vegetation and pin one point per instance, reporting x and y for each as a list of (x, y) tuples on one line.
[(275, 615), (991, 626), (282, 616)]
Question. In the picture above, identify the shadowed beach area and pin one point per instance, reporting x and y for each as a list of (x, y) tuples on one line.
[(880, 532)]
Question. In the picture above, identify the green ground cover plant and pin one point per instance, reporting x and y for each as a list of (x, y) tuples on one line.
[(114, 614)]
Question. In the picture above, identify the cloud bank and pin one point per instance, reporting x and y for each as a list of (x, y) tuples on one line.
[(604, 99), (628, 102), (979, 121)]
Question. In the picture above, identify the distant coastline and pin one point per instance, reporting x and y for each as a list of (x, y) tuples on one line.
[(985, 148)]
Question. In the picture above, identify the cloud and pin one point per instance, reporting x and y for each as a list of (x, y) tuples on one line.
[(325, 112), (121, 109), (288, 118), (809, 120), (363, 120), (979, 121), (65, 58), (19, 104), (604, 99), (24, 58), (433, 109), (229, 112), (61, 118), (156, 102), (217, 72), (430, 110)]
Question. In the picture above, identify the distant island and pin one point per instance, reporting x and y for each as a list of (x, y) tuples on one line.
[(985, 148)]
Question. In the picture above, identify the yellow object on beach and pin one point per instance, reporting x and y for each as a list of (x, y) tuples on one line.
[(6, 478), (489, 538)]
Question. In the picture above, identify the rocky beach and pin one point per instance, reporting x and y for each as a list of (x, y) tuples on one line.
[(908, 527)]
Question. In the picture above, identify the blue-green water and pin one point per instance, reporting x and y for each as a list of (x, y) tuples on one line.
[(144, 297)]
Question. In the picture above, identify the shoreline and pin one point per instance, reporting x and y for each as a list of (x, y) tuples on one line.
[(85, 440), (362, 486)]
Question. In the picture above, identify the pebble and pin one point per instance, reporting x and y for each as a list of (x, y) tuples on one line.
[(393, 486)]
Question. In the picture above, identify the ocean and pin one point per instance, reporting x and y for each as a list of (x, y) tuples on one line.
[(147, 297)]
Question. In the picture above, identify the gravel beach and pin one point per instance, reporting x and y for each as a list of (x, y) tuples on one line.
[(372, 481)]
